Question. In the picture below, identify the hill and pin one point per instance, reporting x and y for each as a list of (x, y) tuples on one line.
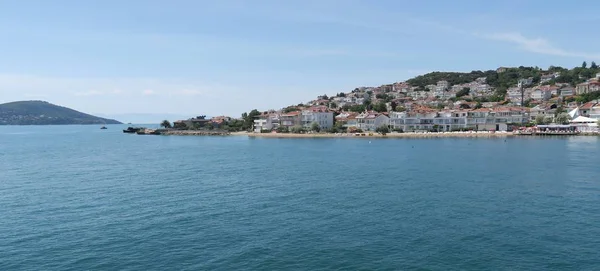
[(44, 113)]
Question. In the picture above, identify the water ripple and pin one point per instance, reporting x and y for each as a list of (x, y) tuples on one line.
[(82, 199)]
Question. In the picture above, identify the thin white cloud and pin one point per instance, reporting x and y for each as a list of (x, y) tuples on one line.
[(148, 92), (538, 45)]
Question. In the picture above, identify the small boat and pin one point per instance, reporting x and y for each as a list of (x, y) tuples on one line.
[(132, 130), (103, 128)]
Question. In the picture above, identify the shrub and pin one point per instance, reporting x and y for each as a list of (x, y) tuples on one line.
[(383, 129)]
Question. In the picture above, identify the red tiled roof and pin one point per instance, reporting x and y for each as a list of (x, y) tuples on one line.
[(588, 105), (291, 114)]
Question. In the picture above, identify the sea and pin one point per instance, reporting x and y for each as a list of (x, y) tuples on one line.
[(82, 198)]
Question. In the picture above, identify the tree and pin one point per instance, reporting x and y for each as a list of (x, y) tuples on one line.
[(380, 107), (477, 105), (400, 108), (539, 119), (333, 105), (297, 130), (463, 92), (283, 129), (548, 119), (357, 108), (339, 126), (593, 65), (166, 124), (562, 118), (584, 65), (315, 127), (180, 125), (383, 129), (249, 119)]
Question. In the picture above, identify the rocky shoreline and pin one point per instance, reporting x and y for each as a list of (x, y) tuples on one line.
[(183, 132)]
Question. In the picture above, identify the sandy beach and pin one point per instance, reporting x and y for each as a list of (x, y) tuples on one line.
[(390, 135), (194, 133)]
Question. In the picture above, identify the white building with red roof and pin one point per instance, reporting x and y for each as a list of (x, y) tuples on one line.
[(369, 121)]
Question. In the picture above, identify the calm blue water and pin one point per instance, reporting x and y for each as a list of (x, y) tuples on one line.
[(79, 198)]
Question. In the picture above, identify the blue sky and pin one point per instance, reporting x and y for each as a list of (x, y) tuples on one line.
[(192, 57)]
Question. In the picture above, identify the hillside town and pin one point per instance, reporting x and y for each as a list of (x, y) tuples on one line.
[(425, 104)]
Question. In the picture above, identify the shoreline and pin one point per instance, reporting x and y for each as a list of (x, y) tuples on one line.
[(390, 135), (480, 134)]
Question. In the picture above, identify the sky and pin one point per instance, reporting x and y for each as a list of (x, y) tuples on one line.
[(226, 57)]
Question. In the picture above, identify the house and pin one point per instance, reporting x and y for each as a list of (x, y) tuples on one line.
[(594, 86), (582, 88), (544, 110), (541, 94), (442, 86), (350, 99), (548, 77), (267, 121), (478, 90), (427, 120), (503, 116), (397, 95), (464, 104), (567, 91), (458, 87), (591, 109), (501, 69), (489, 104), (319, 115), (348, 119), (443, 94), (338, 99), (553, 90), (290, 119), (514, 95), (496, 119), (320, 102), (525, 82), (418, 95), (369, 121)]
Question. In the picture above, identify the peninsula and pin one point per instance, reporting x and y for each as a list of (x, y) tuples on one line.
[(525, 100), (45, 113)]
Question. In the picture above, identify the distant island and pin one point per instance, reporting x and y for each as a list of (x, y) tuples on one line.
[(45, 113)]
